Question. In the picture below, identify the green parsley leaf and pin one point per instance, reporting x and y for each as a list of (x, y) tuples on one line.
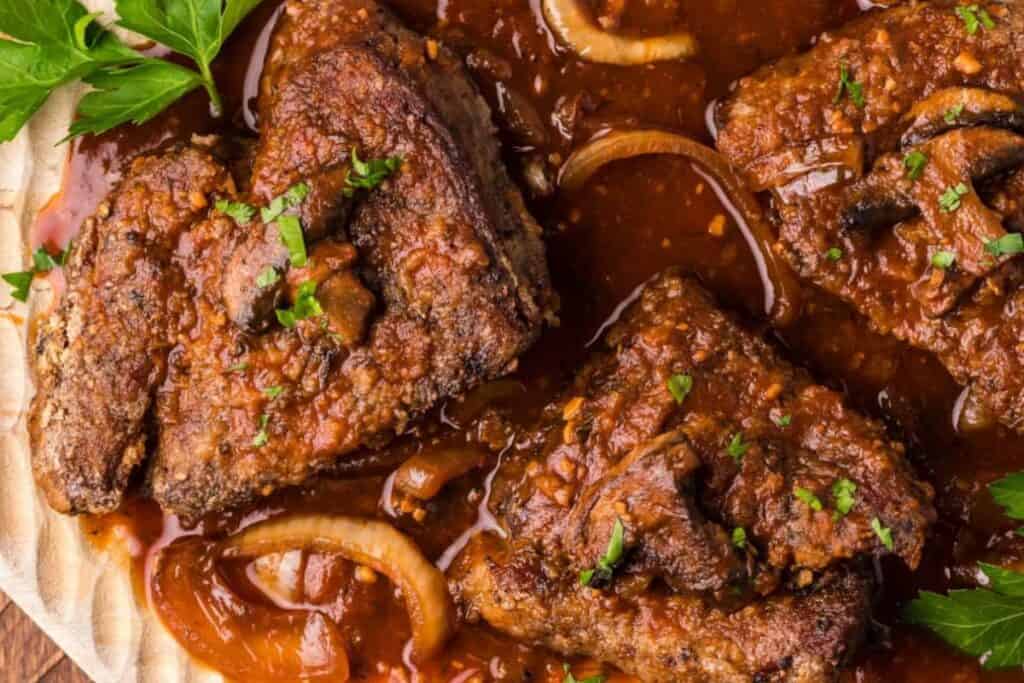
[(1010, 243), (808, 498), (834, 254), (20, 283), (784, 421), (986, 623), (289, 200), (943, 259), (55, 42), (267, 277), (569, 678), (194, 28), (680, 387), (135, 94), (953, 113), (366, 175), (1009, 493), (849, 87), (739, 537), (950, 199), (290, 229), (262, 437), (239, 367), (914, 162), (1003, 581), (42, 262), (612, 556), (306, 306), (843, 496), (274, 391), (884, 533), (737, 448), (974, 17), (241, 212)]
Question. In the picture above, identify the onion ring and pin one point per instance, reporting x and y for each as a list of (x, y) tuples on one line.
[(568, 19), (375, 544), (782, 293), (423, 475)]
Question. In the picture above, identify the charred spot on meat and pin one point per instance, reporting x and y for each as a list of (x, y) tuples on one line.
[(916, 230)]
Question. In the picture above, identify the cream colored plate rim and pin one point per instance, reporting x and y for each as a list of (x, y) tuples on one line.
[(82, 597)]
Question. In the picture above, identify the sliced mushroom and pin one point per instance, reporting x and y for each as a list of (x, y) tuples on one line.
[(962, 224), (952, 108)]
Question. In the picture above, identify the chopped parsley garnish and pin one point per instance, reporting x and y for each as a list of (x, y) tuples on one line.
[(262, 437), (366, 175), (289, 200), (884, 533), (953, 113), (808, 499), (739, 537), (843, 492), (290, 229), (42, 262), (974, 17), (306, 306), (950, 199), (569, 678), (784, 421), (267, 277), (239, 367), (737, 448), (20, 283), (612, 556), (943, 259), (985, 622), (834, 254), (1010, 243), (240, 212), (274, 391), (848, 86), (680, 386), (914, 162)]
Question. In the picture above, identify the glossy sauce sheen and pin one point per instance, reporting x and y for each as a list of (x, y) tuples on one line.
[(633, 219)]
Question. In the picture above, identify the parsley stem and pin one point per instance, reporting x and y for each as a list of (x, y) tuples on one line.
[(216, 105)]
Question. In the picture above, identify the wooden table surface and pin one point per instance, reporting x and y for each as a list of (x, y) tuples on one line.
[(27, 655)]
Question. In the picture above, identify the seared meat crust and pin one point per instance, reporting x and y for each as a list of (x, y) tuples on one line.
[(681, 472), (790, 637), (430, 284), (854, 219), (100, 357)]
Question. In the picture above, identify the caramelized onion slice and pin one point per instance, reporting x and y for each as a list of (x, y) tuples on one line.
[(781, 290), (371, 543), (568, 19), (423, 475)]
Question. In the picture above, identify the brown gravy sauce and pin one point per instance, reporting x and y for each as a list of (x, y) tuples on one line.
[(602, 243)]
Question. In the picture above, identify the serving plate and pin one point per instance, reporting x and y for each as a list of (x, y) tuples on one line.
[(81, 595)]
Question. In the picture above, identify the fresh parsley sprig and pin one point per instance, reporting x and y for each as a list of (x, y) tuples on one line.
[(984, 622), (53, 42)]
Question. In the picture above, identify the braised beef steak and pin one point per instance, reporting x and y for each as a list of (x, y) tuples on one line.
[(893, 150), (425, 285), (742, 486)]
